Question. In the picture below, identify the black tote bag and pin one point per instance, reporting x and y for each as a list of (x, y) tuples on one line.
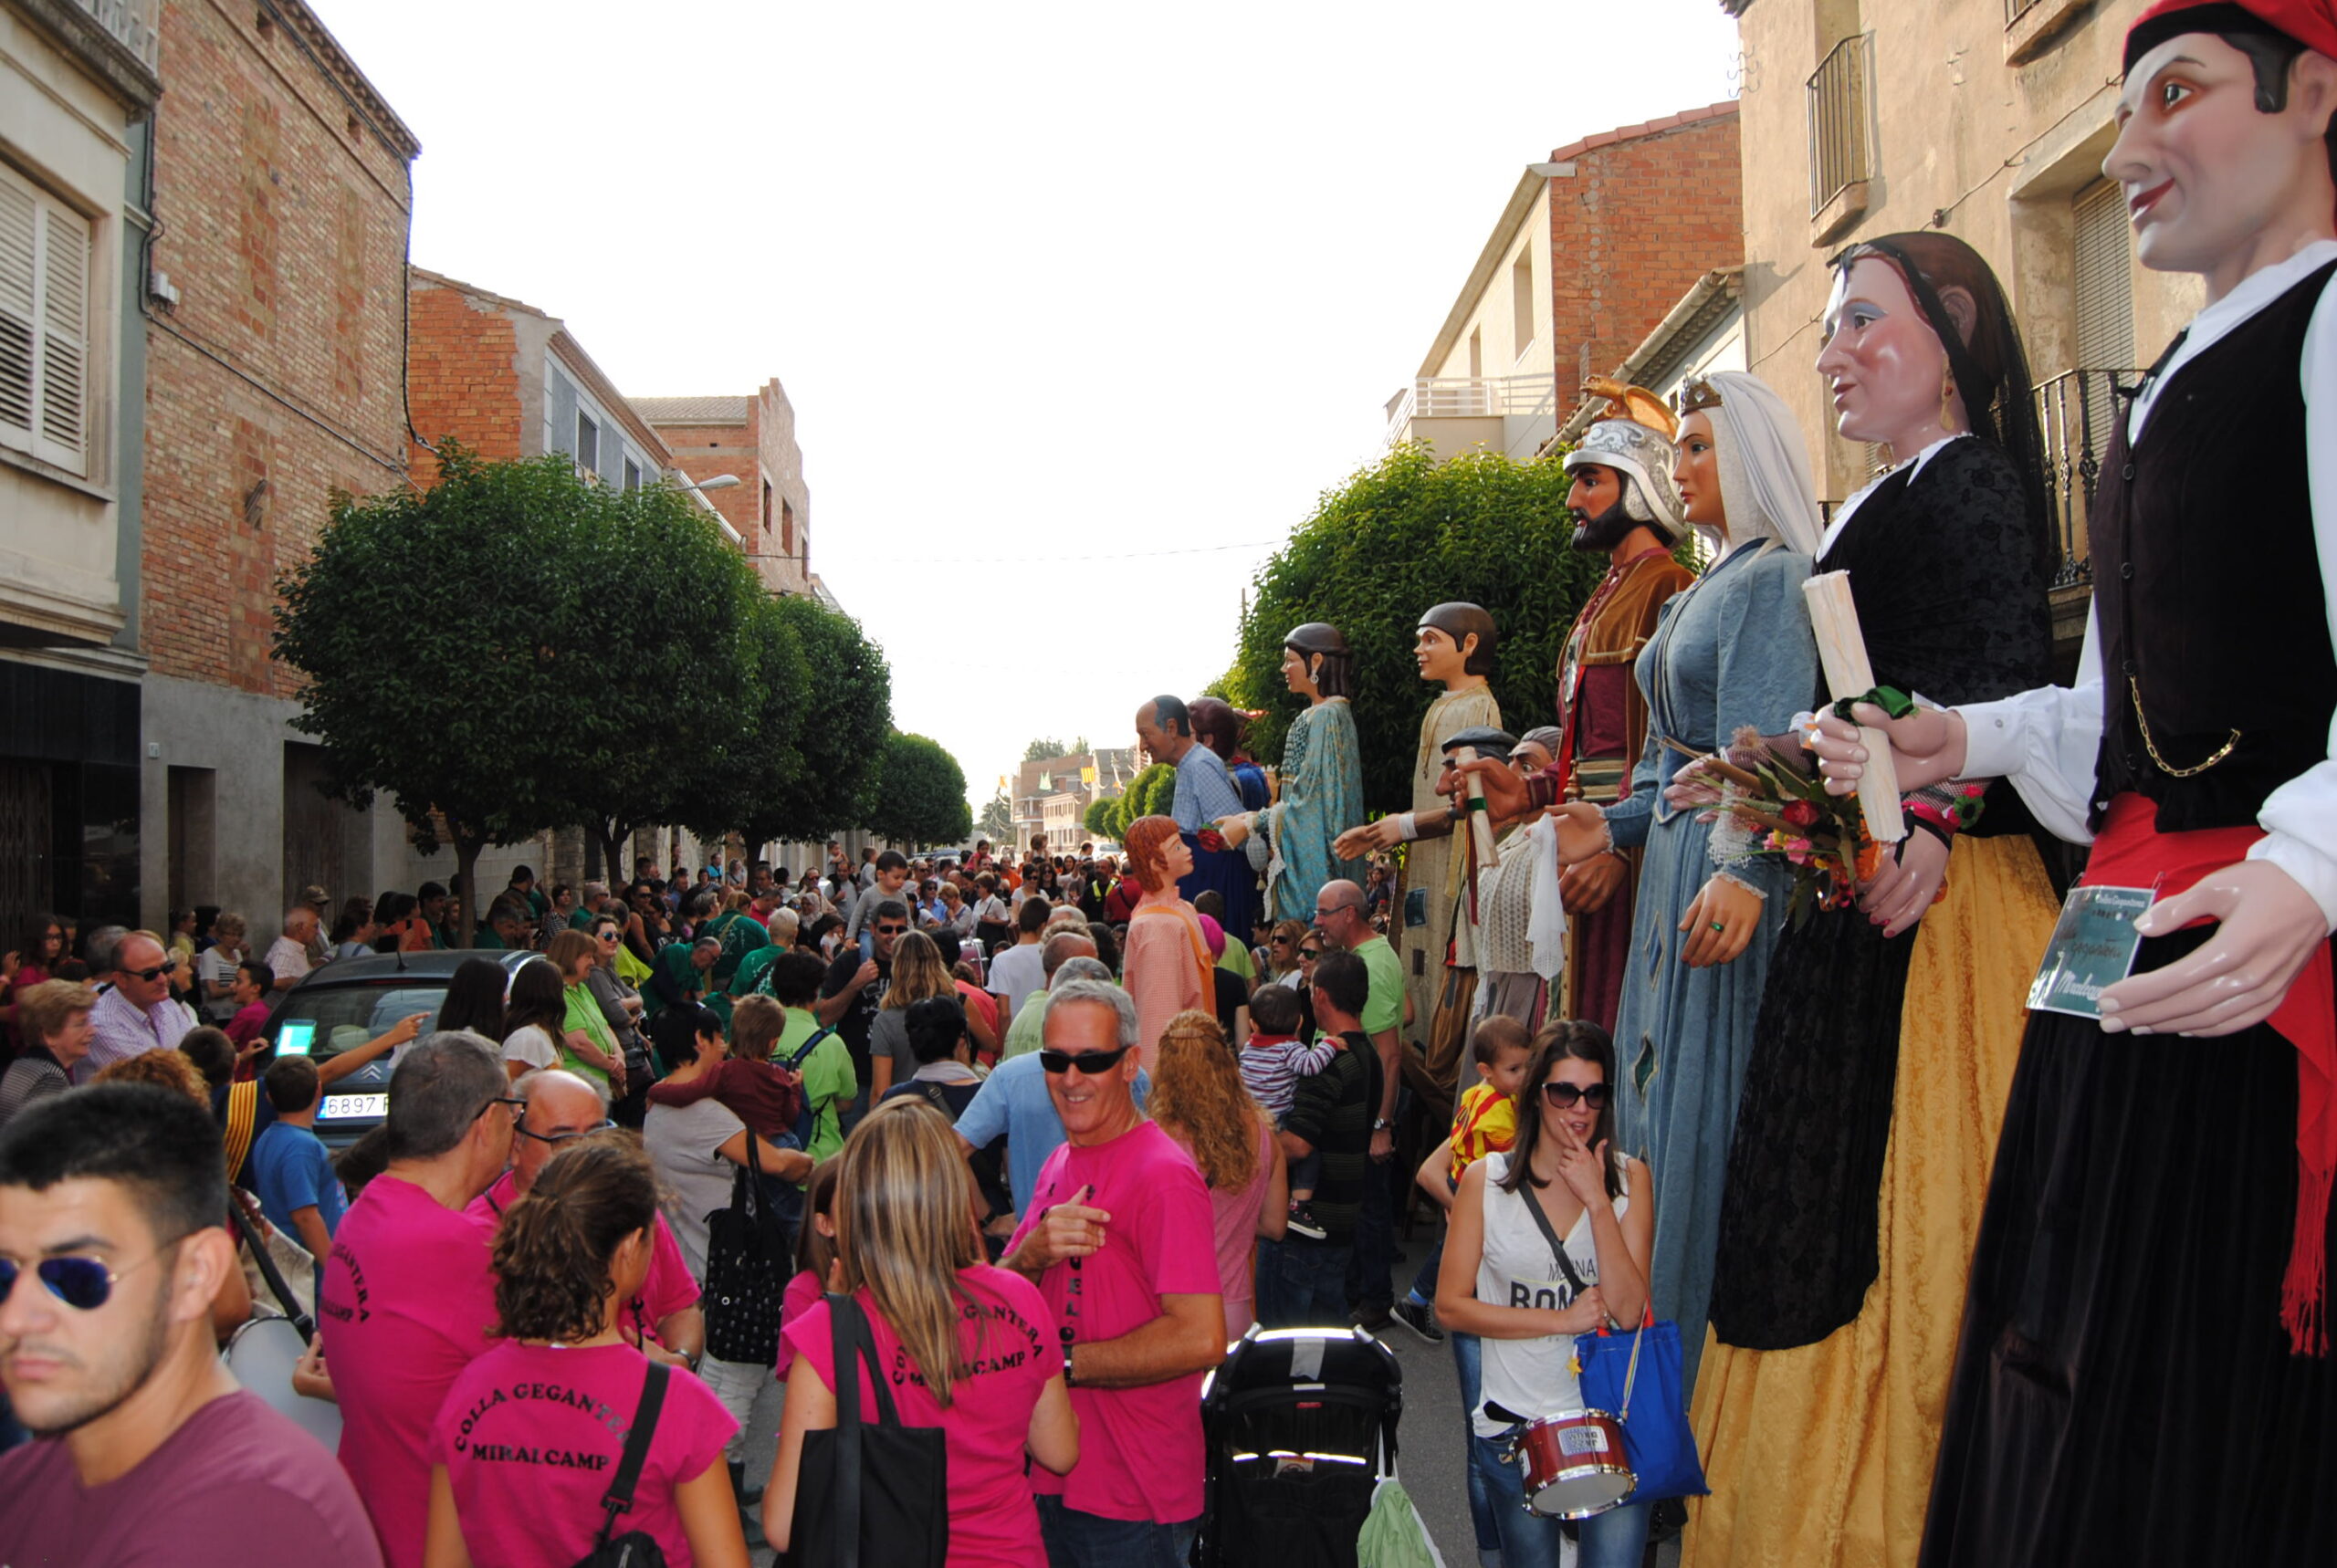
[(877, 1494), (747, 1260)]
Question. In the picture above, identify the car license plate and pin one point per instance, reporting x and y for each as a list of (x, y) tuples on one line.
[(345, 1107)]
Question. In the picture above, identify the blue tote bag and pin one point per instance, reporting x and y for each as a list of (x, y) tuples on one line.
[(1636, 1377)]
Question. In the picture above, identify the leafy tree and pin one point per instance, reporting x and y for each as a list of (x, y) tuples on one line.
[(1149, 794), (1039, 750), (997, 823), (1401, 535), (663, 603), (840, 738), (1100, 817), (772, 706), (920, 794), (434, 632)]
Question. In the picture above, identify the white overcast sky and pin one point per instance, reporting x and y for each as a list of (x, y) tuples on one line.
[(1054, 288)]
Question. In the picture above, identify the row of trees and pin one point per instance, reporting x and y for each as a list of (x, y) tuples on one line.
[(518, 649), (1401, 535)]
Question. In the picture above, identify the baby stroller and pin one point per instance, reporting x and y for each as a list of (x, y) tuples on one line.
[(1301, 1429)]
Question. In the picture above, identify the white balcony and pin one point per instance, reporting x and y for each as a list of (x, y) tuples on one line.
[(132, 23), (1511, 415)]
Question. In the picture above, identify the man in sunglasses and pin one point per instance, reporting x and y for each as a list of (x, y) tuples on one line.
[(1122, 1246), (138, 1013), (111, 1247), (407, 1297), (662, 1319)]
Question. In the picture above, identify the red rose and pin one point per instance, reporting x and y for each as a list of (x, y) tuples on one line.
[(1800, 813)]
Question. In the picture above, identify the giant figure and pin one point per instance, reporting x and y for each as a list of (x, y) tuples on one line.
[(1321, 781)]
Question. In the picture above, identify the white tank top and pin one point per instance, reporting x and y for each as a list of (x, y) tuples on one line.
[(1531, 1377)]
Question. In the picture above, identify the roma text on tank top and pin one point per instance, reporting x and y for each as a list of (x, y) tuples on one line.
[(1530, 1378)]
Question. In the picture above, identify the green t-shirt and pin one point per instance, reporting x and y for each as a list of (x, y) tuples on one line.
[(485, 940), (828, 1078), (1383, 1005), (753, 967), (1027, 1032), (582, 919), (584, 1012), (1236, 959)]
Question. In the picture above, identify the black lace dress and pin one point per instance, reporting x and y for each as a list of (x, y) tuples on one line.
[(1951, 584)]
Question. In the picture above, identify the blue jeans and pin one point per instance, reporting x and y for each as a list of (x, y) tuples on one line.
[(1076, 1539), (1302, 1285), (1469, 1361), (1616, 1539)]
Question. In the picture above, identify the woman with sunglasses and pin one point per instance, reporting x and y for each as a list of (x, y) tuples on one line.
[(1504, 1281), (621, 1007)]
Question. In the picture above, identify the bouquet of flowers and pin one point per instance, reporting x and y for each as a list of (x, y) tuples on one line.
[(1767, 807)]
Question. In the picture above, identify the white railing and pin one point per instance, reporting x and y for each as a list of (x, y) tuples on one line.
[(1470, 397), (131, 22)]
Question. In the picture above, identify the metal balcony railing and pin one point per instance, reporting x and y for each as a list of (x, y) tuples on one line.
[(134, 23), (1837, 122), (1467, 397), (2076, 411)]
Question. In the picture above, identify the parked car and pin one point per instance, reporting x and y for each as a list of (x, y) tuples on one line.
[(350, 1001)]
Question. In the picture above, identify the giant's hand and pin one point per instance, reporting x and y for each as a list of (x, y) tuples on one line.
[(1582, 832), (1720, 923), (1233, 830), (1587, 888), (1907, 882), (1927, 746), (1505, 789), (1357, 843), (2268, 926)]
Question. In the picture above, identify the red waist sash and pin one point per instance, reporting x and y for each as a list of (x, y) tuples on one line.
[(2131, 853)]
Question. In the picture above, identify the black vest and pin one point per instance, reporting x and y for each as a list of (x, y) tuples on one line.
[(2208, 582)]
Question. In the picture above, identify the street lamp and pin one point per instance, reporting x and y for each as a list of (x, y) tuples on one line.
[(719, 482)]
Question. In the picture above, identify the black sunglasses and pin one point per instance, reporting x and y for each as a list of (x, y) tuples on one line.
[(1310, 954), (1562, 1095), (82, 1283), (1093, 1063), (156, 973), (566, 1137)]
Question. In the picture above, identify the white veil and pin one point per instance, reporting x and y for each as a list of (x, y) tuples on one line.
[(1764, 465)]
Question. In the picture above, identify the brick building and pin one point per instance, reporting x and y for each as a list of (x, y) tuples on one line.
[(753, 437), (1606, 251), (281, 192)]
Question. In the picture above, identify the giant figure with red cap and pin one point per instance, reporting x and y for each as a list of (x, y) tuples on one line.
[(2143, 1374)]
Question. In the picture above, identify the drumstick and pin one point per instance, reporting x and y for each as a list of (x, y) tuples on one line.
[(1842, 648)]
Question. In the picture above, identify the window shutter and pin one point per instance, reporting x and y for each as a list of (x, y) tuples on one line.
[(19, 253), (65, 340), (2103, 277)]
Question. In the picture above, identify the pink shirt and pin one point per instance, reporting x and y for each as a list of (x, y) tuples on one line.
[(1233, 1217), (802, 1293), (406, 1301), (670, 1287), (530, 1435), (994, 1522), (1139, 1448)]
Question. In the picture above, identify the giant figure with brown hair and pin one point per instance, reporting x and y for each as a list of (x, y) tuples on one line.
[(1167, 966), (1321, 783), (1887, 1032)]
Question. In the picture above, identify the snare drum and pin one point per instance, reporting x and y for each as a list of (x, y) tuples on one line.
[(1574, 1465)]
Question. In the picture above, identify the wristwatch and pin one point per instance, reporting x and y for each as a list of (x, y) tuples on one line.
[(1380, 1124)]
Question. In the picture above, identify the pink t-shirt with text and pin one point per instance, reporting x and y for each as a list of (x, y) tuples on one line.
[(1139, 1448), (669, 1287), (994, 1522), (530, 1435), (406, 1301)]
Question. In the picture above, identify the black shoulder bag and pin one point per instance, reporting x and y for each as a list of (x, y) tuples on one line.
[(746, 1271), (875, 1493), (634, 1548)]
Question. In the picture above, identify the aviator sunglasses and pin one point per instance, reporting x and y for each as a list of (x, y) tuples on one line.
[(1091, 1063), (1562, 1095), (82, 1283)]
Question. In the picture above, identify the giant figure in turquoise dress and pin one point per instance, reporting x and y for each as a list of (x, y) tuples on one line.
[(1321, 781), (1733, 649)]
